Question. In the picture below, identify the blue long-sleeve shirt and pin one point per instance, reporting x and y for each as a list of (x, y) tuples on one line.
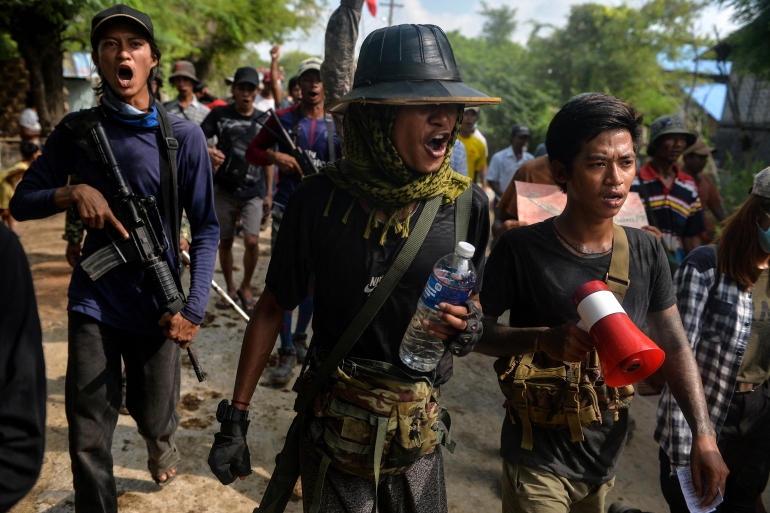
[(122, 298)]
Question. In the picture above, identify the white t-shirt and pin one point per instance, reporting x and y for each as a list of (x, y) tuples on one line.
[(262, 104), (29, 119), (503, 166)]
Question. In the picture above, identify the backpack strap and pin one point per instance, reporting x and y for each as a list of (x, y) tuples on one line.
[(617, 276), (463, 214), (286, 471), (168, 181)]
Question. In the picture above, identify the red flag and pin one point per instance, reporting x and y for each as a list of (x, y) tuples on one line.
[(372, 4)]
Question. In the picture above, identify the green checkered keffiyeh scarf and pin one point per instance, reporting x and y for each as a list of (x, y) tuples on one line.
[(373, 170)]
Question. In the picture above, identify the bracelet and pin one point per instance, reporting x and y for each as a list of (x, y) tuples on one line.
[(240, 402)]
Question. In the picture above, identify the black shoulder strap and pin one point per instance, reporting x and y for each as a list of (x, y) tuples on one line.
[(330, 137), (168, 180)]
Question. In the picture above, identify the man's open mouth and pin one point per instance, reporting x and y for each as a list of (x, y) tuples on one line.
[(613, 197), (438, 144), (125, 74)]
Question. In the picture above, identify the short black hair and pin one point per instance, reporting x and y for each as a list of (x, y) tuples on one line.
[(154, 72), (29, 100), (293, 82), (27, 149), (582, 119)]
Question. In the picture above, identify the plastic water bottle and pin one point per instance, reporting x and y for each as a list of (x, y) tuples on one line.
[(452, 281)]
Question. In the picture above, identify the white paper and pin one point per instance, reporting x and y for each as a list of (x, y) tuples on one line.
[(690, 495)]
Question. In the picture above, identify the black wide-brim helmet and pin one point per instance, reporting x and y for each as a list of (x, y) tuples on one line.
[(408, 65)]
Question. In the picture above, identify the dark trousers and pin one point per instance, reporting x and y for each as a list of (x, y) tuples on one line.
[(93, 396), (745, 446)]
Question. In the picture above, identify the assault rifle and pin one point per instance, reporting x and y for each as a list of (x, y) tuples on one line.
[(146, 243), (302, 158)]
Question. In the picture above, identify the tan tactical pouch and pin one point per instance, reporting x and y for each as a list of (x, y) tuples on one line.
[(554, 395)]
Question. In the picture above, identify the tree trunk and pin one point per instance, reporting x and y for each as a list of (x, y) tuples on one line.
[(202, 68), (39, 43)]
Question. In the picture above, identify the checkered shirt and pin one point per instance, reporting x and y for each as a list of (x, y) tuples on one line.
[(196, 112), (717, 321)]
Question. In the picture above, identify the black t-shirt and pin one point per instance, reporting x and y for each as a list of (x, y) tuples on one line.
[(234, 132), (348, 267), (534, 276)]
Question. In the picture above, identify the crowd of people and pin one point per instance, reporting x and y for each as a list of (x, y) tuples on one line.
[(367, 175)]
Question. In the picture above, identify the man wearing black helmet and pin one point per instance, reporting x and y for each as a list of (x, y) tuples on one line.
[(348, 225), (118, 315)]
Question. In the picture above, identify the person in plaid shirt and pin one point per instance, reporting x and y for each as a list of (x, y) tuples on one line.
[(715, 289)]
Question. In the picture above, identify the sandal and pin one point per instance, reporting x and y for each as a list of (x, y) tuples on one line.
[(168, 463), (248, 306), (222, 304), (168, 479)]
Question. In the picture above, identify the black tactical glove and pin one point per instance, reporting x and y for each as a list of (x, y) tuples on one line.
[(463, 342), (229, 456)]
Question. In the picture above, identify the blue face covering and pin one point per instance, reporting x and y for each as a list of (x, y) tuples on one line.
[(764, 238)]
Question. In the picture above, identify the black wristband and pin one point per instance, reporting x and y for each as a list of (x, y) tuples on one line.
[(226, 411)]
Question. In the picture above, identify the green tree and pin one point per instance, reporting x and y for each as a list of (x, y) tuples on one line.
[(199, 30), (500, 67), (37, 27), (615, 50), (499, 22)]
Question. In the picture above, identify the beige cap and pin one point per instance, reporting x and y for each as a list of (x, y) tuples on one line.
[(700, 148)]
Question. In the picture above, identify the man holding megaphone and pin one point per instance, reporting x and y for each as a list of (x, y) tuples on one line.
[(567, 404)]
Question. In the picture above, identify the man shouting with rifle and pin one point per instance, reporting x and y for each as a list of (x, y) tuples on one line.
[(139, 168), (313, 143)]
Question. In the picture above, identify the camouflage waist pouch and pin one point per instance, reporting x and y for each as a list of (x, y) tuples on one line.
[(552, 396), (373, 418)]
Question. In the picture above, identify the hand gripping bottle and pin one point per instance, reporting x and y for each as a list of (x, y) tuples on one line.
[(452, 281)]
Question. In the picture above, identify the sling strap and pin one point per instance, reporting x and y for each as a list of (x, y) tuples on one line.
[(168, 181), (617, 276), (286, 472)]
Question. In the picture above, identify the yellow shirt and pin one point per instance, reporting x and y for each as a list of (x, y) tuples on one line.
[(7, 188), (477, 154)]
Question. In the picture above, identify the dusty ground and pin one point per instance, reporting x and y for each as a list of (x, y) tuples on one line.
[(473, 472)]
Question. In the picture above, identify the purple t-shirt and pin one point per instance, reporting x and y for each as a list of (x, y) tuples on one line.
[(122, 298)]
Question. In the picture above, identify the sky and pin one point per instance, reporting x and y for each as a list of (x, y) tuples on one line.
[(463, 15)]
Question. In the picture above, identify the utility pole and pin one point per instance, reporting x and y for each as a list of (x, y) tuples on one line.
[(391, 5)]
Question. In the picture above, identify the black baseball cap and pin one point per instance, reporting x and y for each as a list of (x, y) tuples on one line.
[(120, 11), (246, 75), (520, 130)]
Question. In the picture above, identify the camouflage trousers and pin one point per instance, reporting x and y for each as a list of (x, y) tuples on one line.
[(421, 489)]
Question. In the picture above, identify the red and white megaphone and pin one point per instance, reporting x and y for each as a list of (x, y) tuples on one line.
[(626, 354)]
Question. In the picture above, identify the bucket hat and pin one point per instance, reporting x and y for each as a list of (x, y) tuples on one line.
[(761, 185), (184, 69), (665, 125), (408, 65)]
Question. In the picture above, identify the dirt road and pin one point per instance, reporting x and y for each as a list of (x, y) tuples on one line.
[(473, 472)]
